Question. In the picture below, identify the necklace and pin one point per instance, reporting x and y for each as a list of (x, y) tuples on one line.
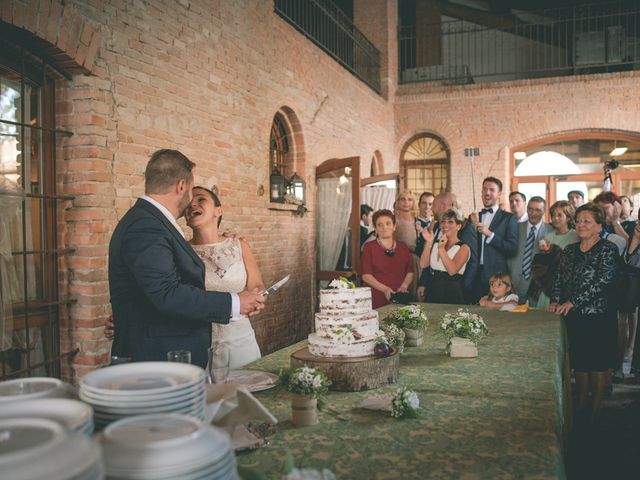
[(389, 252)]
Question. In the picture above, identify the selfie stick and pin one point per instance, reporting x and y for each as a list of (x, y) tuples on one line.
[(472, 152)]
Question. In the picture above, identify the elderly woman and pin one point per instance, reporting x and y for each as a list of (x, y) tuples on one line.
[(447, 259), (581, 294), (386, 265), (545, 263)]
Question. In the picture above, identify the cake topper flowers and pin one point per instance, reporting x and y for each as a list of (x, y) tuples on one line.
[(342, 283)]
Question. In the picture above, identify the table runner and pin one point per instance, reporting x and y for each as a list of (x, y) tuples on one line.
[(498, 415)]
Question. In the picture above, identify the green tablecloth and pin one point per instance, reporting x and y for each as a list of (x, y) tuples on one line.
[(496, 416)]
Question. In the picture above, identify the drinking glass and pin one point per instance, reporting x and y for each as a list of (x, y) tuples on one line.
[(181, 356), (218, 364)]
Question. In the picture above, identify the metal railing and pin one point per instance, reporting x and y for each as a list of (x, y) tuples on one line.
[(568, 41), (329, 28)]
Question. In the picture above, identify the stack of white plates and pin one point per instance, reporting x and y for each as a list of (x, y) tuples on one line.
[(37, 448), (22, 389), (159, 447), (144, 388), (74, 415)]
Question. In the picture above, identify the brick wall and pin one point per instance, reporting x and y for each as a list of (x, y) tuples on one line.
[(498, 117)]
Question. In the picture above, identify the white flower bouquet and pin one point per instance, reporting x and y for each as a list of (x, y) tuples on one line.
[(393, 334), (463, 324), (412, 317), (305, 381), (405, 403)]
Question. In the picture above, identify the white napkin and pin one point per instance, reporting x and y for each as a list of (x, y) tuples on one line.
[(232, 407), (377, 402)]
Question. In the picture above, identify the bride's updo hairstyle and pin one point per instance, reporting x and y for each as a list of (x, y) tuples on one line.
[(214, 197)]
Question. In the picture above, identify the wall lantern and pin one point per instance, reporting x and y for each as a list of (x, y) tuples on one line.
[(276, 186), (296, 187)]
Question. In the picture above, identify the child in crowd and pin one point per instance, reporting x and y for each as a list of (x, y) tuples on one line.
[(501, 296)]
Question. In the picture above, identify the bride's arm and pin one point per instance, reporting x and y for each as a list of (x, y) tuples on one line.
[(254, 277)]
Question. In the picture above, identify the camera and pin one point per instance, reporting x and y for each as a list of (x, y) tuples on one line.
[(612, 164)]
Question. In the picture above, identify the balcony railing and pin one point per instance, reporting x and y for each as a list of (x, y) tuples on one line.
[(570, 41), (330, 29)]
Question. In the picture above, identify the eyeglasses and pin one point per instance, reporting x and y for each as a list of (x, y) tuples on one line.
[(389, 252)]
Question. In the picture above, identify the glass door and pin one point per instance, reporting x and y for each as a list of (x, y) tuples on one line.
[(338, 219)]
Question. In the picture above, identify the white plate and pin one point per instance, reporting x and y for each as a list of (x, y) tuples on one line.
[(143, 378), (253, 380), (161, 443), (29, 388), (144, 401), (71, 414), (41, 448)]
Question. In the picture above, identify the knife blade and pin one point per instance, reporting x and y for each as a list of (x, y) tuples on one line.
[(276, 286)]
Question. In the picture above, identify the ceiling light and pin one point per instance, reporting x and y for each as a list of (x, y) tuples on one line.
[(618, 151), (520, 155)]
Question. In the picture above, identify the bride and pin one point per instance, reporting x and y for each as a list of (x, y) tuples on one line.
[(229, 267)]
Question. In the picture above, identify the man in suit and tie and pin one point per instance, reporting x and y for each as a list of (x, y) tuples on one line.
[(467, 235), (529, 235), (156, 280), (498, 235)]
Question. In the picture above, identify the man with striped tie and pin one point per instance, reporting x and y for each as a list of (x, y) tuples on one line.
[(529, 235)]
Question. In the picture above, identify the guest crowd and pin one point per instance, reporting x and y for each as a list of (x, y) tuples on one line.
[(584, 266)]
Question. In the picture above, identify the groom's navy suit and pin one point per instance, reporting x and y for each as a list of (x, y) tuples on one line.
[(156, 282), (503, 246)]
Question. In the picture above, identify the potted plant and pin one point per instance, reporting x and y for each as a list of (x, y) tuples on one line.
[(462, 330), (413, 320), (307, 385)]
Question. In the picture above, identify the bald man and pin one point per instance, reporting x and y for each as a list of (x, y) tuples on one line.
[(467, 235)]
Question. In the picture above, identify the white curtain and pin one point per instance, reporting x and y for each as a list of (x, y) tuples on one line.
[(378, 198), (333, 211)]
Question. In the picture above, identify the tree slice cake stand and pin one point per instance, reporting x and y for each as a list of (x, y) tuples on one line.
[(352, 374)]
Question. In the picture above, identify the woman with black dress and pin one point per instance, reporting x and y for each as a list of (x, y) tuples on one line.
[(447, 259), (581, 293)]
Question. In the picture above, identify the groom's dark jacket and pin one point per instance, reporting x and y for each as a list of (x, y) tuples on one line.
[(156, 282)]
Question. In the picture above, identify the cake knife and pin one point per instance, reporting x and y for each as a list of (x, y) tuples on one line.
[(276, 286)]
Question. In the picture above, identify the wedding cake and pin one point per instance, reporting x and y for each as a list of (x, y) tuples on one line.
[(346, 325)]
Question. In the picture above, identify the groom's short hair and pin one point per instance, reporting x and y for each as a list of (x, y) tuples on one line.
[(164, 169)]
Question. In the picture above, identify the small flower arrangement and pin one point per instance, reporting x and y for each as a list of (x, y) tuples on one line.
[(405, 403), (304, 381), (347, 335), (393, 334), (342, 283), (412, 317), (463, 324), (293, 200)]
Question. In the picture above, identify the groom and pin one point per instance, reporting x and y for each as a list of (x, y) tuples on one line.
[(156, 280)]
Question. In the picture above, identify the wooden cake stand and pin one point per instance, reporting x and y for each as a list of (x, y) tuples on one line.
[(352, 374)]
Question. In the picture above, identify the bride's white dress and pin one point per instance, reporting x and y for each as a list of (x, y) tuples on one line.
[(225, 272)]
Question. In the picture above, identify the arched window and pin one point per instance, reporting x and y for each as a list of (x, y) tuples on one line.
[(425, 164), (286, 156), (279, 146)]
